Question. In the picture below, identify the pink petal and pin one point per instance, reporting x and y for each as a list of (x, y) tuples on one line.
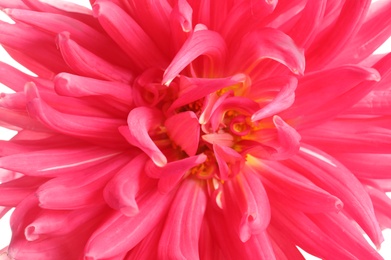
[(268, 43), (184, 131), (76, 86), (179, 239), (200, 42), (334, 40), (129, 35), (126, 232), (283, 100), (229, 161), (181, 23), (14, 191), (120, 192), (193, 89), (141, 120), (86, 63), (246, 204), (333, 177), (79, 190), (82, 33), (305, 30), (45, 60), (172, 173)]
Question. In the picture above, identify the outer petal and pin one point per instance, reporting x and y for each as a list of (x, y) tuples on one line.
[(126, 232), (129, 35), (181, 232), (86, 63), (332, 176)]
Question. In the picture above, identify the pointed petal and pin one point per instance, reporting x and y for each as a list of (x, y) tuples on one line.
[(128, 35), (179, 239), (229, 161), (88, 64), (333, 177), (184, 130), (335, 39), (246, 205), (77, 86), (120, 192), (140, 121), (268, 43), (200, 42), (126, 232), (283, 100), (14, 191)]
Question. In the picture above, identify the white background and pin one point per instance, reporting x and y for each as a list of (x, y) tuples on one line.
[(5, 134)]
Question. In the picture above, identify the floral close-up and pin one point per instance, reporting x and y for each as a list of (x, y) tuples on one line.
[(196, 129)]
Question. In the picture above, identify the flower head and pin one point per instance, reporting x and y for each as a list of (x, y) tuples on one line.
[(184, 129)]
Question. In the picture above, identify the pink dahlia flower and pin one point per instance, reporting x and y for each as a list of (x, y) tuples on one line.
[(187, 129)]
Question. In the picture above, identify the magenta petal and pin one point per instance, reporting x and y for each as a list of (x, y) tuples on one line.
[(140, 121), (184, 130), (172, 173), (246, 204), (86, 63), (182, 228), (120, 192), (128, 35), (268, 43), (201, 42), (126, 232)]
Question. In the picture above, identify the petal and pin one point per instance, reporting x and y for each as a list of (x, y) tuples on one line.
[(120, 192), (55, 161), (179, 239), (81, 189), (193, 89), (334, 40), (172, 173), (140, 121), (82, 33), (14, 191), (76, 86), (283, 100), (184, 130), (19, 39), (126, 232), (95, 129), (333, 177), (200, 42), (129, 35), (229, 161), (291, 188), (88, 64), (246, 205), (267, 43)]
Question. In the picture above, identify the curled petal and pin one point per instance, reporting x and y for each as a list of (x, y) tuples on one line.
[(229, 161), (180, 236), (184, 130), (201, 42), (283, 100), (268, 43), (120, 192), (246, 204), (140, 121), (77, 86)]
